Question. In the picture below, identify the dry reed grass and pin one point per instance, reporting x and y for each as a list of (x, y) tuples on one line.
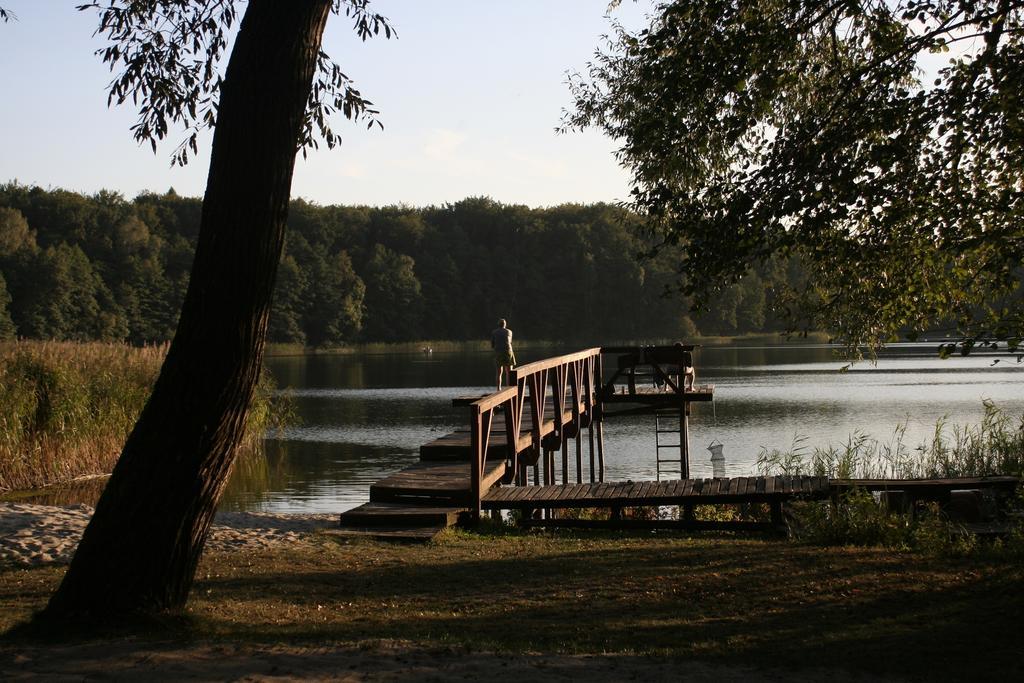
[(66, 408)]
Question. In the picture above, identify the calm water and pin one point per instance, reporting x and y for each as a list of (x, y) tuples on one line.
[(365, 416)]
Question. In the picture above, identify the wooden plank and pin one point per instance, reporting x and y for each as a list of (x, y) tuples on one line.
[(523, 494), (614, 490), (499, 493), (529, 492), (566, 492), (585, 492), (955, 483)]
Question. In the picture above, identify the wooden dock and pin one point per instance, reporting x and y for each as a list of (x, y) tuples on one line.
[(555, 406)]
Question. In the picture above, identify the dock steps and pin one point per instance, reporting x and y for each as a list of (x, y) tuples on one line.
[(418, 534), (397, 521), (400, 515), (433, 483)]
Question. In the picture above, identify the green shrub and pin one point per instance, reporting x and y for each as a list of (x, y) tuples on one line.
[(857, 519)]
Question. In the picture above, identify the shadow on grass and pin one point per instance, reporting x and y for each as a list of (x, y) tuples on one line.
[(768, 604)]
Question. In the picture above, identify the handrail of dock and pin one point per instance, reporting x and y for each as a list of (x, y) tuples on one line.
[(548, 363), (573, 380), (481, 418)]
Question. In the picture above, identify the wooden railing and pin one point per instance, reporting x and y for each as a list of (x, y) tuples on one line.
[(573, 380)]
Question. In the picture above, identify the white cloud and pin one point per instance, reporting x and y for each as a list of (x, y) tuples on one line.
[(443, 144)]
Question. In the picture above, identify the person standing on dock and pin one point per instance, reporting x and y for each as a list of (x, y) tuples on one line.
[(504, 357)]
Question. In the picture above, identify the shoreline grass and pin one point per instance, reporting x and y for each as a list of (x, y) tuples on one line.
[(66, 408), (995, 446)]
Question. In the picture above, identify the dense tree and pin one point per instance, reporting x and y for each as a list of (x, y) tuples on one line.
[(15, 235), (394, 293), (830, 133), (7, 329), (290, 293), (142, 545), (68, 300), (565, 273), (335, 312)]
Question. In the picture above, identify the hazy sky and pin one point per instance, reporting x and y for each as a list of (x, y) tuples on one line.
[(470, 94)]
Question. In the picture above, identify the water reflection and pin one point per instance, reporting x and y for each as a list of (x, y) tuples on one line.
[(364, 416)]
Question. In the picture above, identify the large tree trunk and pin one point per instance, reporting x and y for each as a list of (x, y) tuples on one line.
[(143, 543)]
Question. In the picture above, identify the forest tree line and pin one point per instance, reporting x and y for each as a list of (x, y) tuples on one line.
[(102, 267)]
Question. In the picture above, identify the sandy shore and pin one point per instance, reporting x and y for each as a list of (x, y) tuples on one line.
[(44, 534)]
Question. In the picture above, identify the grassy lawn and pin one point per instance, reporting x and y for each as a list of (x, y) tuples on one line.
[(753, 602)]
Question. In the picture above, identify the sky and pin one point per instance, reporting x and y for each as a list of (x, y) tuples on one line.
[(470, 94)]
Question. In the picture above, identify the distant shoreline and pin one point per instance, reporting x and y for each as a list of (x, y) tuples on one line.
[(449, 346)]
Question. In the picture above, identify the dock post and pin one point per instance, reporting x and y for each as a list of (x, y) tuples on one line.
[(564, 447), (590, 436), (684, 444), (600, 451), (579, 456), (478, 454)]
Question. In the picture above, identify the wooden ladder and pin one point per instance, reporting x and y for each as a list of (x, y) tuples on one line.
[(673, 463)]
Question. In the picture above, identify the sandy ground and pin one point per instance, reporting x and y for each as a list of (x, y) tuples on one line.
[(43, 534)]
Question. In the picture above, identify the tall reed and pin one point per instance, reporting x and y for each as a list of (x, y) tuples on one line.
[(992, 447), (66, 408)]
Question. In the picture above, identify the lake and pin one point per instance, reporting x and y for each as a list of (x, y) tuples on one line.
[(362, 416)]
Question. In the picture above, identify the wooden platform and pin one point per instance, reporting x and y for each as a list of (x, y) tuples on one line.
[(433, 483), (927, 489), (398, 521), (456, 445), (641, 493), (652, 394)]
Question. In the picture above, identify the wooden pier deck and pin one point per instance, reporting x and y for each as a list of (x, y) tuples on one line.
[(659, 493), (561, 401), (439, 483)]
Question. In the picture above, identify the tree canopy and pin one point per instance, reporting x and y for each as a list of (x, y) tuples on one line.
[(354, 274), (880, 143), (165, 56)]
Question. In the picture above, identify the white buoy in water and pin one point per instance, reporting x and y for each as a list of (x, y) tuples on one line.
[(717, 459)]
